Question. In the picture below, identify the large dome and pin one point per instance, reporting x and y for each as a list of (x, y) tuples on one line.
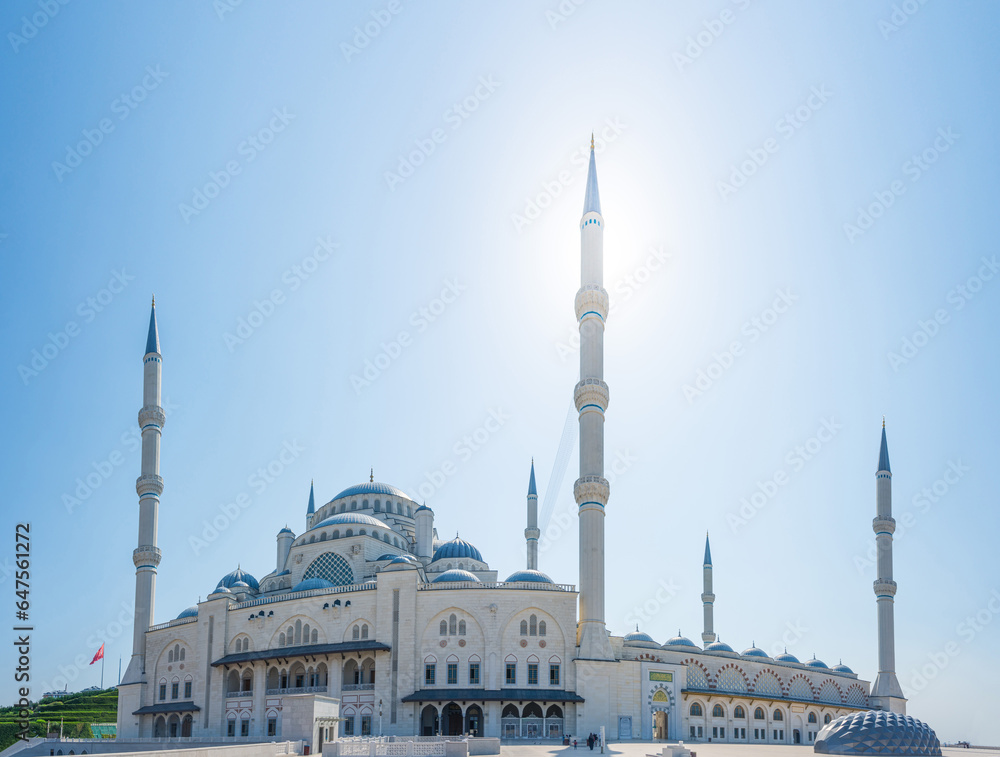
[(239, 575), (359, 519), (877, 732), (456, 549), (372, 487)]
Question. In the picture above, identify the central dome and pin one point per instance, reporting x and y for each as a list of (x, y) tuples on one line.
[(238, 576), (372, 487), (457, 548)]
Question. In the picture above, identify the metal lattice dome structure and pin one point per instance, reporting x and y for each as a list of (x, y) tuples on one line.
[(877, 732)]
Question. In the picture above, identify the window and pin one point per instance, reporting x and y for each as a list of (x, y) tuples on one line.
[(739, 712), (532, 673), (722, 732), (533, 626), (187, 689), (231, 728), (429, 674), (699, 732), (349, 726), (461, 628), (356, 632), (452, 625), (473, 672), (692, 732), (245, 727), (524, 628), (715, 732), (553, 674), (758, 714), (717, 712), (366, 725), (777, 715), (272, 726), (541, 628), (444, 628), (163, 691), (315, 636), (452, 673), (511, 677), (812, 717), (696, 710), (364, 631)]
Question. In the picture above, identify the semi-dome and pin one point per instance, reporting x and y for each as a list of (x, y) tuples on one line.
[(191, 612), (312, 583), (455, 575), (814, 663), (720, 647), (529, 576), (347, 519), (456, 549), (755, 651), (788, 658), (681, 641), (372, 487), (877, 732), (842, 668), (238, 575)]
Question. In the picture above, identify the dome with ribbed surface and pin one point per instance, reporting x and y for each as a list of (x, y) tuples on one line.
[(372, 487), (756, 652), (814, 663), (842, 668), (191, 612), (873, 732), (788, 658), (237, 576), (346, 519), (401, 563), (457, 549), (455, 576), (637, 638), (313, 583), (681, 641), (529, 576), (720, 647)]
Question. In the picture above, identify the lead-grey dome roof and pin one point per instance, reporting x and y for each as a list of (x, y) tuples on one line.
[(877, 732)]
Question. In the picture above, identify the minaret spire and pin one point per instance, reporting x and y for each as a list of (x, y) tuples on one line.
[(531, 533), (311, 508), (591, 489), (146, 557), (886, 692), (707, 597)]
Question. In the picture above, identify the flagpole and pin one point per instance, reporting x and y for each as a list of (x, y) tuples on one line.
[(102, 672), (119, 670)]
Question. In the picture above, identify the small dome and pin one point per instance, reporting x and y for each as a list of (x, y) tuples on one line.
[(814, 663), (312, 583), (286, 530), (239, 575), (386, 556), (401, 563), (456, 549), (681, 641), (842, 668), (529, 576), (191, 612), (756, 652), (346, 519), (454, 576), (422, 508), (240, 586), (720, 647), (639, 639), (220, 590), (373, 487), (788, 658)]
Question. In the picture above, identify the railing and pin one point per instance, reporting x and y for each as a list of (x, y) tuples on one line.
[(496, 585), (297, 690), (357, 687), (369, 586), (174, 622)]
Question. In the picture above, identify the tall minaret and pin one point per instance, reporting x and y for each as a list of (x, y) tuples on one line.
[(311, 509), (886, 693), (707, 597), (531, 533), (591, 396), (149, 486)]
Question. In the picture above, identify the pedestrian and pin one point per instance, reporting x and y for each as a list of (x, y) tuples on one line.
[(574, 743)]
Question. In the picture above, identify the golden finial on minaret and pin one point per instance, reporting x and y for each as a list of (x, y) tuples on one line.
[(591, 140), (154, 300), (883, 421), (371, 478)]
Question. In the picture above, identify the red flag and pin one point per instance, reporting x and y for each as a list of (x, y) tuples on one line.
[(99, 655)]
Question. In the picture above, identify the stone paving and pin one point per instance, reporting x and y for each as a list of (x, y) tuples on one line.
[(643, 748)]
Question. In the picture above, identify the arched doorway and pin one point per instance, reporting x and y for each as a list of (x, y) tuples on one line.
[(174, 726), (429, 721), (474, 720), (186, 725), (796, 737), (160, 727), (510, 721), (451, 720), (660, 724)]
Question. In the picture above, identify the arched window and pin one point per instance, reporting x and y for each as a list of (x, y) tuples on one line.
[(696, 710), (452, 625), (461, 628), (778, 715), (298, 631), (290, 636), (315, 637), (364, 631), (758, 714), (281, 639), (739, 712), (717, 711), (524, 628), (356, 632), (170, 656), (354, 505), (827, 718), (812, 717), (364, 504), (378, 506), (533, 625), (336, 534), (444, 627), (386, 539), (349, 532), (363, 532), (541, 628), (388, 507), (305, 634)]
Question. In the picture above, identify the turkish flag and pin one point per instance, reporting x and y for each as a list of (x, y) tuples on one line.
[(99, 655)]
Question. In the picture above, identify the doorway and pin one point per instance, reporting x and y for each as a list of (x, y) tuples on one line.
[(796, 738), (451, 719), (660, 725)]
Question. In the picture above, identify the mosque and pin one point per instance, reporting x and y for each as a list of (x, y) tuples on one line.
[(371, 624)]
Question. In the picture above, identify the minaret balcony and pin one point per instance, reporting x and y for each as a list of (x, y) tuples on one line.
[(884, 523), (149, 483), (592, 489), (591, 391), (152, 415), (592, 298), (146, 555), (884, 586)]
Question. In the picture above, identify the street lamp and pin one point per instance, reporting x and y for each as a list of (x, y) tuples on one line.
[(380, 718)]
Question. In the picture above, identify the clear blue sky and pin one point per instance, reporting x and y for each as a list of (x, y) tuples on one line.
[(866, 209)]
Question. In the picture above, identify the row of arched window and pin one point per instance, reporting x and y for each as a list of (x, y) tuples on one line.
[(740, 714), (174, 687), (175, 654), (452, 626), (393, 540), (359, 631), (533, 627), (298, 634), (399, 509)]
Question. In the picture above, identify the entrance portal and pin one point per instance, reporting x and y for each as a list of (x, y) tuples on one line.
[(795, 736), (451, 720), (659, 724)]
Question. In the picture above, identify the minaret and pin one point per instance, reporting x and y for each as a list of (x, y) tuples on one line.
[(591, 489), (149, 486), (531, 533), (708, 598), (886, 693), (311, 509)]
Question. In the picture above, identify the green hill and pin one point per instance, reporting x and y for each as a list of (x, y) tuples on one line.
[(77, 712)]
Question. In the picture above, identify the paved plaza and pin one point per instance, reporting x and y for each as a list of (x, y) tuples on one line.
[(642, 748)]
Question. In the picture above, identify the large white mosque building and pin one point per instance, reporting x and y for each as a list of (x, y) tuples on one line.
[(370, 624)]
